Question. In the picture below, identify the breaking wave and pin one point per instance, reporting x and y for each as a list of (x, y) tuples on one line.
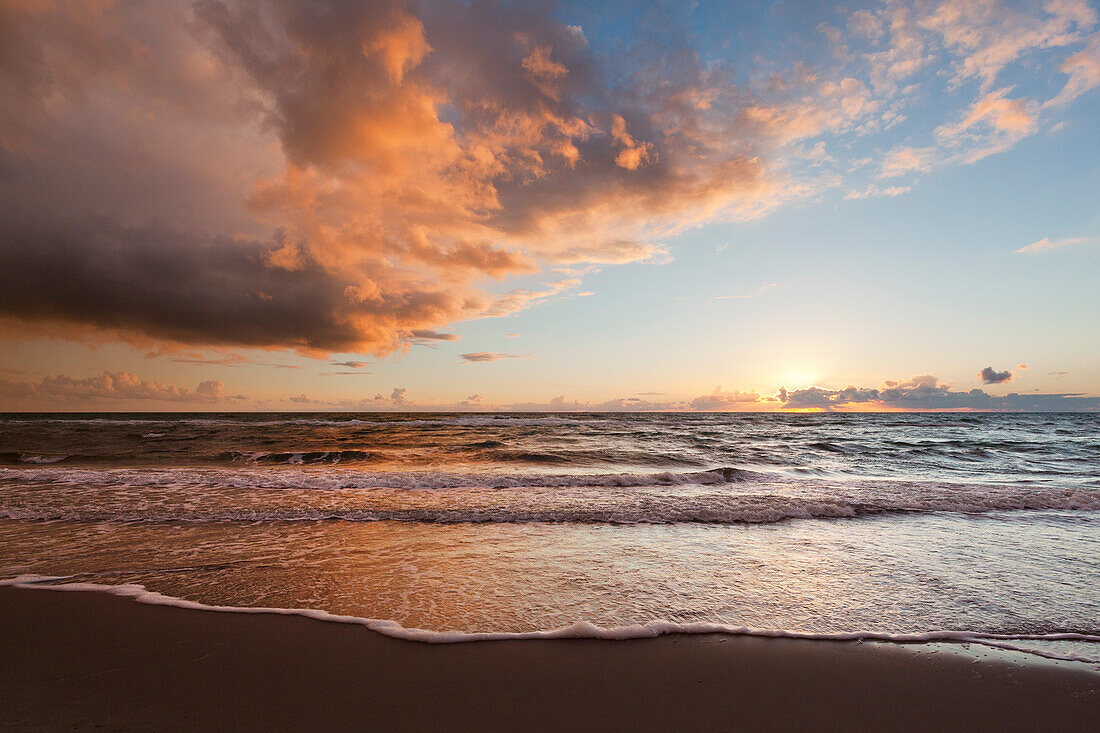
[(718, 496), (584, 629)]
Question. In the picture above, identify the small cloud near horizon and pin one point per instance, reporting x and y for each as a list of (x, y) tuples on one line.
[(483, 356), (989, 375)]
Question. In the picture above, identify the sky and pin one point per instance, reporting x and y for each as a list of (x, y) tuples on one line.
[(387, 205)]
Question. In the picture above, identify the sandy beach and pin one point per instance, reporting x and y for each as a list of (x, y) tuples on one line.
[(85, 659)]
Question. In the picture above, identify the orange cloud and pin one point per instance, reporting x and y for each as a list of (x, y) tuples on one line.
[(1083, 69), (393, 163), (1009, 115), (327, 176)]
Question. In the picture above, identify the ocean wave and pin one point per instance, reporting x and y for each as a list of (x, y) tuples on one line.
[(486, 452), (299, 458), (602, 456), (571, 508), (12, 457), (583, 629), (333, 479)]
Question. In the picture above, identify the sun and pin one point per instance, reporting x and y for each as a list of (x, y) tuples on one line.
[(801, 377)]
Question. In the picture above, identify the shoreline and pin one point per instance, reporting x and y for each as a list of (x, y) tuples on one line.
[(86, 657), (582, 630)]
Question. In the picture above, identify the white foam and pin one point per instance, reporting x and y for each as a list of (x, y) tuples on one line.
[(718, 496), (41, 460), (578, 630)]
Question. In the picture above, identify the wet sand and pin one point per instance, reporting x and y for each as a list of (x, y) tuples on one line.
[(90, 660)]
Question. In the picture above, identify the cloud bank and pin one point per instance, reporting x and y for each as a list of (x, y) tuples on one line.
[(919, 393), (109, 386)]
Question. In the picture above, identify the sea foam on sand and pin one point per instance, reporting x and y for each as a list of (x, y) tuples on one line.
[(578, 630)]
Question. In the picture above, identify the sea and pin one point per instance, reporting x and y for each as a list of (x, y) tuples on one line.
[(969, 529)]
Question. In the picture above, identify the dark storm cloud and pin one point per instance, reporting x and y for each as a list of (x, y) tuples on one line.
[(178, 287)]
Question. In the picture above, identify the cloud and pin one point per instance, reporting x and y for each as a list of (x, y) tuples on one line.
[(992, 125), (970, 41), (481, 356), (926, 393), (875, 191), (356, 368), (904, 160), (633, 404), (429, 335), (325, 176), (335, 177), (618, 251), (108, 386), (989, 375), (230, 359), (918, 393), (988, 36), (166, 284), (233, 360), (555, 404), (1083, 69), (994, 109), (1046, 244), (756, 293), (720, 399), (519, 299)]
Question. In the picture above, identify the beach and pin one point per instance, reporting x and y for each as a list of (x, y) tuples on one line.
[(548, 572), (91, 660)]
